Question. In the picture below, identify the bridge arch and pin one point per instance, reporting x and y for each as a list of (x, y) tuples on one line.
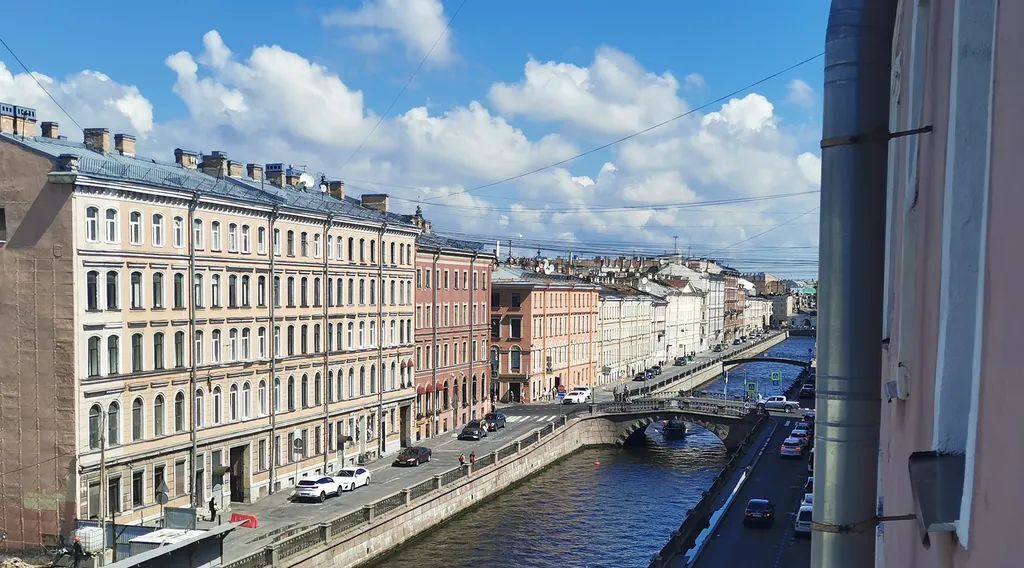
[(783, 360), (730, 425)]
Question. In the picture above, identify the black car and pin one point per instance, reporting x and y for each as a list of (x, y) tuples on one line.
[(680, 361), (807, 391), (413, 456), (655, 369), (718, 348), (759, 512), (495, 420), (641, 376), (472, 431)]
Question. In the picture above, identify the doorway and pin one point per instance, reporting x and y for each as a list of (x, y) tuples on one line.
[(239, 472), (515, 392)]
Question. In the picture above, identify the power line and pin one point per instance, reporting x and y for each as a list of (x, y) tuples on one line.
[(779, 226), (404, 87), (30, 74), (634, 134)]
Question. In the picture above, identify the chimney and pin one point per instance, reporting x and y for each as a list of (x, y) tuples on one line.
[(291, 176), (24, 121), (97, 139), (215, 164), (336, 188), (255, 171), (275, 174), (186, 158), (235, 169), (51, 130), (376, 201), (6, 118), (125, 144)]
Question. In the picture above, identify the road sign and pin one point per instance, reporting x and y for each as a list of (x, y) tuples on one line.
[(752, 387), (161, 497), (776, 377)]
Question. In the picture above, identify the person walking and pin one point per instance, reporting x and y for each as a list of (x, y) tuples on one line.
[(213, 509), (77, 552), (472, 458), (462, 460)]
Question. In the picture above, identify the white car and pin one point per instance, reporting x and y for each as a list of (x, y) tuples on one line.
[(808, 499), (792, 447), (778, 403), (349, 478), (576, 397), (318, 489), (803, 435), (802, 524)]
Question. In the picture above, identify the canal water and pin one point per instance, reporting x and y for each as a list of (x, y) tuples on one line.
[(598, 508)]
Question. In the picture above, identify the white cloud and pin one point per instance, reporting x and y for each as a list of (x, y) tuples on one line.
[(694, 81), (614, 95), (800, 93), (810, 166), (415, 23), (93, 98)]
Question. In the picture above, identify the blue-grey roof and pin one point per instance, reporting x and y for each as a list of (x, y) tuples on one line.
[(148, 171), (516, 275), (435, 241)]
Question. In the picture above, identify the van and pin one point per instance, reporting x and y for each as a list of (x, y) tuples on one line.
[(802, 525)]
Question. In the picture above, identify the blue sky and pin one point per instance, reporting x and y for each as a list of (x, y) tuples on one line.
[(365, 52)]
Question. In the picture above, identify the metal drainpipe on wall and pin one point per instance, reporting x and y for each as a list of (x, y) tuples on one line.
[(192, 340), (433, 355), (327, 336), (472, 319), (273, 292), (382, 443)]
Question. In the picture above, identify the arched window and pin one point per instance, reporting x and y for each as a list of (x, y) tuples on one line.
[(351, 249), (197, 290), (305, 391), (373, 251), (233, 403), (362, 334), (112, 302), (277, 395), (291, 291), (158, 230), (178, 232), (362, 381), (316, 292), (245, 291), (304, 243), (392, 292), (246, 354), (232, 291), (135, 227), (291, 393), (113, 424), (514, 359), (330, 386), (111, 223), (113, 355), (262, 396), (92, 290), (373, 292), (465, 398), (373, 333), (476, 396), (261, 338), (179, 412), (232, 237), (392, 377), (217, 405), (135, 292), (495, 359), (351, 383), (316, 246), (338, 292), (392, 253), (179, 349), (317, 394), (137, 423), (136, 352), (362, 248), (179, 290), (95, 424), (197, 233), (215, 242), (92, 224), (351, 291), (94, 356), (362, 291), (158, 289), (158, 415), (214, 347), (245, 239), (373, 379), (316, 338), (199, 407), (232, 345), (291, 243), (304, 291), (215, 290)]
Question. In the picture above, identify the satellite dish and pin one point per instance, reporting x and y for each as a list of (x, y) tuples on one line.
[(306, 180)]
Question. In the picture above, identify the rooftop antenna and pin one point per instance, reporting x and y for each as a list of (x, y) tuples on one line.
[(675, 244)]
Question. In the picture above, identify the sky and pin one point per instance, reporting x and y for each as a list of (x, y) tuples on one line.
[(388, 97)]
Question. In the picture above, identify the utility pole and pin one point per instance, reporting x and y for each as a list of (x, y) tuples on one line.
[(675, 244)]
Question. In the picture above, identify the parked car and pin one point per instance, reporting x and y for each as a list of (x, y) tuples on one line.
[(809, 417), (718, 348), (809, 485), (791, 447), (413, 456), (759, 512), (808, 499), (777, 402), (474, 430), (494, 421), (736, 341), (807, 391), (641, 376), (351, 477), (655, 369), (805, 426), (802, 524), (317, 489), (576, 397), (803, 435), (679, 361)]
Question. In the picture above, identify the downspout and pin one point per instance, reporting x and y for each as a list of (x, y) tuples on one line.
[(472, 337), (854, 174), (381, 436), (192, 340), (433, 351), (273, 292), (327, 335)]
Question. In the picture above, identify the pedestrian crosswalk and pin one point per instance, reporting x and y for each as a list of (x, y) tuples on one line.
[(523, 419)]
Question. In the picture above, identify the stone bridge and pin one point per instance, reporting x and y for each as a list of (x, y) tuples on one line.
[(729, 420), (796, 362)]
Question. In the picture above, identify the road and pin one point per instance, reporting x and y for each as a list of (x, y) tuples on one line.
[(776, 478), (280, 517)]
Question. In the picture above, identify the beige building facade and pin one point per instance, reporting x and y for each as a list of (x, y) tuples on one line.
[(214, 331)]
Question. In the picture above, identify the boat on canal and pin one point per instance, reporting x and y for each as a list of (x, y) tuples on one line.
[(674, 429)]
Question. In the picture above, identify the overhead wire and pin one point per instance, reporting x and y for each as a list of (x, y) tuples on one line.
[(41, 87)]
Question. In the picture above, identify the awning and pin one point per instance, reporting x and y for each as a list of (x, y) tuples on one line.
[(403, 364), (421, 389), (430, 388), (439, 387)]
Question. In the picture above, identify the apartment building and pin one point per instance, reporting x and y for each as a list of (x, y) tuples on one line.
[(628, 328), (198, 324), (453, 383), (543, 333)]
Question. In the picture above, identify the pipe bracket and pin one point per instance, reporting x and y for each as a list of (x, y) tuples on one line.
[(860, 526), (871, 137)]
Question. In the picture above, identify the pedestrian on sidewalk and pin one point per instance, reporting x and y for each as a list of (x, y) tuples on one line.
[(472, 458), (462, 460), (213, 509)]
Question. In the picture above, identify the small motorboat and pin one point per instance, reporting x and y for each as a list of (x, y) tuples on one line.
[(674, 429)]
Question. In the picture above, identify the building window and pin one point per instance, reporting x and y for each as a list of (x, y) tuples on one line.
[(136, 290), (158, 290), (92, 224), (92, 293), (246, 400), (246, 355), (158, 350), (135, 227), (261, 291), (215, 348), (232, 291), (262, 395), (496, 328), (215, 241), (95, 423), (232, 237), (245, 239), (515, 328), (291, 243), (305, 391), (179, 412), (277, 242), (113, 354), (137, 423), (179, 349), (198, 408), (245, 291), (158, 415), (261, 334), (112, 290), (215, 290), (197, 234), (158, 230), (261, 240), (113, 424), (179, 290), (277, 395), (232, 345), (291, 393), (198, 351), (113, 495), (197, 291), (137, 489), (111, 224), (304, 244), (373, 252), (179, 232), (136, 352)]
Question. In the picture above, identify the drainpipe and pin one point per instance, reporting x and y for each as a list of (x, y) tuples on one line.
[(433, 326), (272, 292), (381, 436), (472, 337), (854, 165), (327, 335), (192, 340)]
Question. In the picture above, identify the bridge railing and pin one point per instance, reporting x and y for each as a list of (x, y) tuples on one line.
[(688, 404)]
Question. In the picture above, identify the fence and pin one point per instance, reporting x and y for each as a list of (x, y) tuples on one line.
[(118, 537), (388, 503), (507, 451), (452, 475), (484, 462), (342, 524), (421, 489)]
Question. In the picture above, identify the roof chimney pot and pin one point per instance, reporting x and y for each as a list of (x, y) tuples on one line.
[(97, 139), (51, 130), (375, 201), (186, 158), (125, 144), (255, 171)]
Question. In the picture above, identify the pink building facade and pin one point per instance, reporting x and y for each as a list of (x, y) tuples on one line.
[(452, 293), (543, 334), (951, 321)]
